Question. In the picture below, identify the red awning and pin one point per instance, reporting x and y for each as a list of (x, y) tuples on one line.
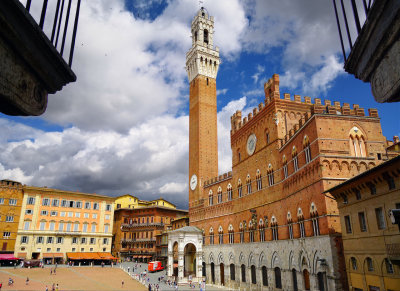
[(9, 257), (52, 255)]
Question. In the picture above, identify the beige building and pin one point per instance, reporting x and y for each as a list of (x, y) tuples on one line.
[(130, 201), (371, 242), (10, 209), (55, 222)]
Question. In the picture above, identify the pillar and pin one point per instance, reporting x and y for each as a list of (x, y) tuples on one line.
[(170, 263), (180, 264)]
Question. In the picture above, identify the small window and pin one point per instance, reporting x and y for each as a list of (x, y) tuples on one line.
[(1, 201), (205, 36), (9, 218), (95, 206), (55, 202), (380, 219), (363, 224), (370, 265), (108, 207), (358, 194), (354, 263), (46, 202), (389, 267), (24, 240), (63, 203), (347, 223), (31, 200), (50, 240), (12, 202), (87, 205)]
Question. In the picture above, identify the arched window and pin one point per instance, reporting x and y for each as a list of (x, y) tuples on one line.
[(243, 268), (314, 219), (206, 36), (261, 229), (248, 184), (251, 231), (300, 219), (258, 180), (210, 197), (357, 144), (195, 36), (220, 235), (290, 224), (253, 274), (270, 172), (274, 228), (264, 275), (241, 231), (389, 266), (307, 150), (229, 191), (353, 263), (239, 187), (278, 280), (211, 232), (267, 136), (295, 160), (370, 265), (231, 234), (219, 195), (285, 171)]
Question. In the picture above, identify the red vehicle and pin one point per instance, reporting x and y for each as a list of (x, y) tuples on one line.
[(155, 266)]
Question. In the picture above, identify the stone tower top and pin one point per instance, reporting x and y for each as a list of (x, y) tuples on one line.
[(202, 58)]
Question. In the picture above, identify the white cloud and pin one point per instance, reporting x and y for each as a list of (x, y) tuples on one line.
[(173, 187)]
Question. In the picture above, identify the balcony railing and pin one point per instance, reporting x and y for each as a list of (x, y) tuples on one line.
[(132, 225), (351, 16), (138, 240), (60, 23)]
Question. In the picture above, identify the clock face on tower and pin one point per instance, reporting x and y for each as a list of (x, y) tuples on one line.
[(251, 144), (193, 182)]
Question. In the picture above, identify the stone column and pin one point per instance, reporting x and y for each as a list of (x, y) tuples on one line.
[(180, 265), (199, 265), (170, 263)]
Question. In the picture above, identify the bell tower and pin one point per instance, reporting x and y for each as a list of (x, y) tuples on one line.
[(202, 62)]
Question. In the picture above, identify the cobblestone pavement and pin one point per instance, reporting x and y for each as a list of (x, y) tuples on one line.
[(153, 278), (69, 278)]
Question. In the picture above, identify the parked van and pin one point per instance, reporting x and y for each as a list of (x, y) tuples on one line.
[(155, 266)]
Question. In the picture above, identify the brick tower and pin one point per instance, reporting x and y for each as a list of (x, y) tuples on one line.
[(202, 62)]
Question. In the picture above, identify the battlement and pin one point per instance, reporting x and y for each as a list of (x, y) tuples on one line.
[(10, 183), (328, 107), (218, 179)]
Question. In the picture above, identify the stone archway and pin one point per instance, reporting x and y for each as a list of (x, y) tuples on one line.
[(188, 254), (190, 260)]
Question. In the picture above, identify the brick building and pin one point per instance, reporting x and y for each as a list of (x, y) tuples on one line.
[(371, 242), (10, 208), (135, 230), (267, 224), (57, 225)]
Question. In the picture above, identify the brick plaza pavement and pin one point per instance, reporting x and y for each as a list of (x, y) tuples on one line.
[(69, 278)]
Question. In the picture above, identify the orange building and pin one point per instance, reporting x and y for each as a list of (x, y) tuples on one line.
[(10, 208), (56, 222), (267, 224), (135, 230)]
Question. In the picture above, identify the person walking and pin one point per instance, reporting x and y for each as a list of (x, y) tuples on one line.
[(27, 281), (47, 288), (122, 283), (57, 287)]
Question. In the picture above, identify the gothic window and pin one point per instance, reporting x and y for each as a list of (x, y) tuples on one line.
[(239, 188), (370, 265), (219, 195), (253, 274), (220, 235), (195, 36), (248, 184), (290, 225), (229, 191), (314, 219), (206, 36), (251, 231), (307, 151), (278, 280), (357, 144), (210, 198), (274, 228), (231, 234), (211, 236), (270, 175), (295, 160), (243, 269), (258, 180), (261, 229), (264, 275), (285, 171), (267, 136), (389, 266)]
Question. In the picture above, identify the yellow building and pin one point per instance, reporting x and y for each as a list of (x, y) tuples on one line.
[(55, 222), (10, 208), (130, 201), (371, 242)]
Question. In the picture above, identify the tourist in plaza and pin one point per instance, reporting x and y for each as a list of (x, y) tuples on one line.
[(27, 281), (122, 283), (57, 287), (47, 288)]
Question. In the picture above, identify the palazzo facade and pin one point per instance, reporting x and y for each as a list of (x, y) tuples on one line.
[(267, 225)]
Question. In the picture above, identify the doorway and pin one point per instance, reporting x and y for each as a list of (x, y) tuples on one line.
[(221, 271)]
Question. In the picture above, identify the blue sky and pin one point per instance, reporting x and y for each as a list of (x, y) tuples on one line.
[(123, 126)]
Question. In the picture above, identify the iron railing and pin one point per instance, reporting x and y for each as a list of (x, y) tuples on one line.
[(352, 20), (60, 22)]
